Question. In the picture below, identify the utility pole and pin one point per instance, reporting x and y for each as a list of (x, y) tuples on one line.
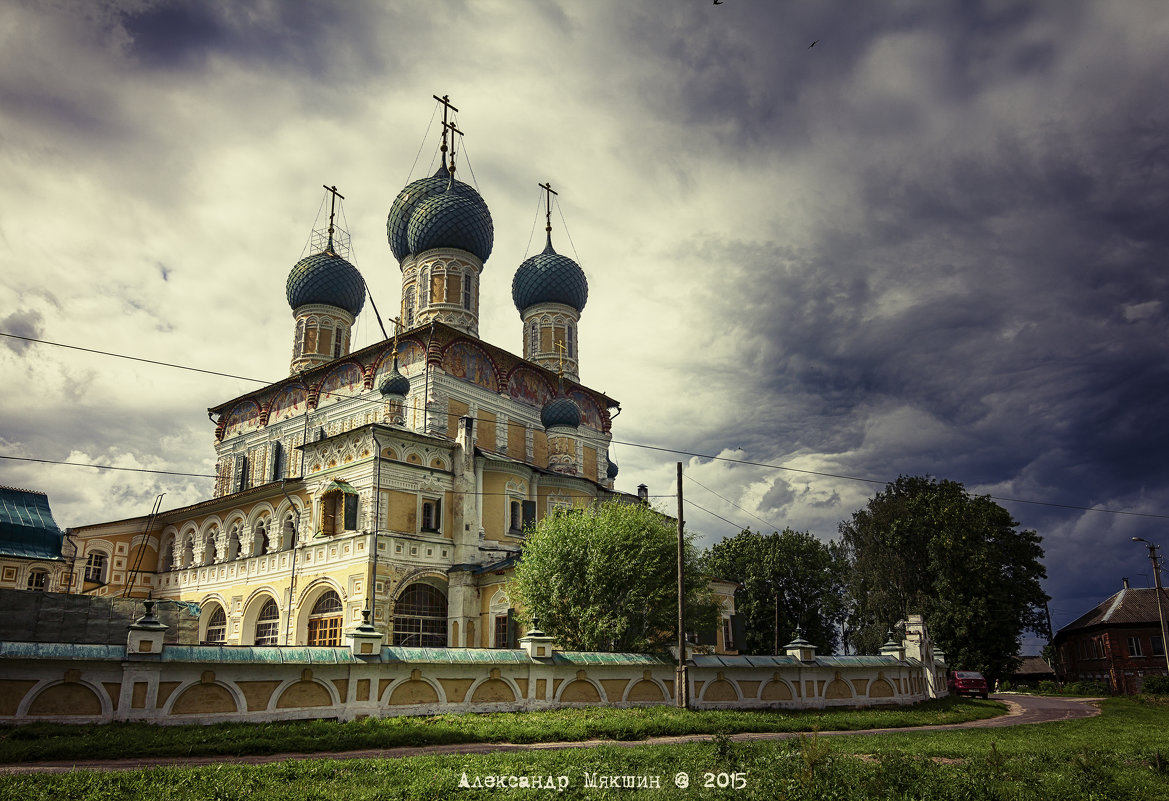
[(1157, 584), (681, 692)]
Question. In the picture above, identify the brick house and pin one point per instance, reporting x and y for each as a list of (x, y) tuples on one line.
[(1118, 642)]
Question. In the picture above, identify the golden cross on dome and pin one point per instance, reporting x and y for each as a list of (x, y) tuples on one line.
[(332, 210), (446, 107), (548, 193), (397, 321), (562, 349)]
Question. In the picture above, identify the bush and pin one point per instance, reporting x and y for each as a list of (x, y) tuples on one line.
[(1048, 686), (1156, 685), (1085, 688), (1005, 686)]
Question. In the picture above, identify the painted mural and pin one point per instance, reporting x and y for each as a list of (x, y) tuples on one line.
[(590, 414), (463, 360), (289, 402), (529, 386), (343, 381), (244, 417), (411, 358)]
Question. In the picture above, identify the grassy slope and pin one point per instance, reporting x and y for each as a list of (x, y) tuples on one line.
[(56, 742)]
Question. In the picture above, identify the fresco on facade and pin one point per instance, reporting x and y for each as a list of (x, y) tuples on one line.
[(345, 380), (289, 402), (465, 361), (411, 359), (244, 417), (590, 414), (529, 386)]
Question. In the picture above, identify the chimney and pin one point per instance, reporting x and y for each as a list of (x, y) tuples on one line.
[(1125, 582), (643, 493)]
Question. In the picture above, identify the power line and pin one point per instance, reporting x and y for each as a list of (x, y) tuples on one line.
[(732, 503), (108, 467), (711, 457), (712, 514)]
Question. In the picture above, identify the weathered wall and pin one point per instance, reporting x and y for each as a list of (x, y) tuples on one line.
[(204, 684), (61, 617)]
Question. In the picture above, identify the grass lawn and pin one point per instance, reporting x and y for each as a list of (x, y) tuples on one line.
[(57, 741), (1123, 754)]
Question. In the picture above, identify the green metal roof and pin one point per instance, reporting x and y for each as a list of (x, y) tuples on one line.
[(27, 528)]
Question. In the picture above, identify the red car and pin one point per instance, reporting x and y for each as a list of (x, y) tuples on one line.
[(967, 682)]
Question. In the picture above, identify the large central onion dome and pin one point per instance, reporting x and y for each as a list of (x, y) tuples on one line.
[(326, 278), (560, 411), (453, 219), (464, 224), (549, 277)]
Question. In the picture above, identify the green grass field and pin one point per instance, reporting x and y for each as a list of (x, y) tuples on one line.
[(56, 742), (1123, 754)]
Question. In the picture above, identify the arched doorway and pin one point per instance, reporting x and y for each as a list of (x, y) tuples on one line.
[(324, 622), (420, 617)]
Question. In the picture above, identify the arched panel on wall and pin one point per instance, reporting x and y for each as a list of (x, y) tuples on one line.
[(838, 689), (526, 385), (881, 687), (414, 691), (720, 691), (205, 697), (307, 692), (647, 690), (468, 362), (590, 413), (581, 690), (289, 402), (79, 699), (776, 690), (411, 355), (343, 381), (244, 417), (494, 690)]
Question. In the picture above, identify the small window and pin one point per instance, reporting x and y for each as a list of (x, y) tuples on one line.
[(1158, 645), (242, 481), (277, 461), (568, 339), (423, 287), (467, 292), (38, 580), (351, 513), (217, 627), (268, 624), (501, 632), (1134, 646), (431, 515), (516, 524), (728, 636), (296, 350), (95, 567), (409, 313), (337, 344)]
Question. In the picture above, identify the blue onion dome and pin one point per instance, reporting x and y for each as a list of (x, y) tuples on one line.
[(395, 383), (407, 200), (611, 470), (455, 218), (560, 411), (549, 277), (326, 278)]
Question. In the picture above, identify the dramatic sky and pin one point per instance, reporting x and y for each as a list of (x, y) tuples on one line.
[(935, 242)]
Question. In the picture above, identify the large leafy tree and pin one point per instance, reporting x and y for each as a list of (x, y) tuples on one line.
[(604, 578), (787, 580), (928, 546)]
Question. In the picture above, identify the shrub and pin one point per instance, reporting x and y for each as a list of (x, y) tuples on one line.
[(1048, 686), (1085, 688), (1156, 685), (1005, 686)]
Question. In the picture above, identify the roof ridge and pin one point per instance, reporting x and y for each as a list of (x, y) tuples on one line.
[(20, 489), (1116, 604)]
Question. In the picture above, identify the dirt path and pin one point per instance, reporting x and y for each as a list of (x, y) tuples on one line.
[(1021, 710)]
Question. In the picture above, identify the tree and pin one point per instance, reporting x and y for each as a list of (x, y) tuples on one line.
[(787, 580), (927, 546), (605, 579)]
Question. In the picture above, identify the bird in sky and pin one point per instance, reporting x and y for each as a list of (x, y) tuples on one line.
[(718, 2), (813, 44)]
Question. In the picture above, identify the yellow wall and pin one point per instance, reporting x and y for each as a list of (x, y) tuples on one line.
[(455, 410), (516, 441), (486, 431)]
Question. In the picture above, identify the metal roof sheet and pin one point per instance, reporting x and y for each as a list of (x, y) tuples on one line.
[(27, 528)]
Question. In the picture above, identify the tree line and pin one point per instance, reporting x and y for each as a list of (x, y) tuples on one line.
[(605, 579)]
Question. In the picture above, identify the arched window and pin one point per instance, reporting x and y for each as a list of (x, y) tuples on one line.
[(533, 337), (326, 338), (233, 543), (420, 617), (288, 536), (467, 292), (95, 567), (261, 544), (38, 580), (324, 623), (298, 345), (568, 338), (423, 288), (217, 627), (409, 310), (268, 624), (188, 558), (167, 561), (209, 548)]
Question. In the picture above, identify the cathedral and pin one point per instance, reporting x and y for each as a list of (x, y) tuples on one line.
[(391, 484)]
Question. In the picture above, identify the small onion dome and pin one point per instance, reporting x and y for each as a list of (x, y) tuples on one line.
[(549, 277), (404, 204), (455, 218), (326, 278), (395, 383), (560, 411), (611, 470)]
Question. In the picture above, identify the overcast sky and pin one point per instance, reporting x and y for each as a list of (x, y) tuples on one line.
[(934, 242)]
